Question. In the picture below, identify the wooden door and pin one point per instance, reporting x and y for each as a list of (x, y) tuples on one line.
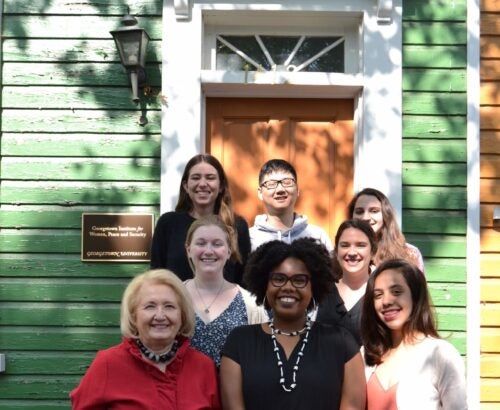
[(315, 135)]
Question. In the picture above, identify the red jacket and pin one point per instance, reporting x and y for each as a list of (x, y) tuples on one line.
[(120, 378)]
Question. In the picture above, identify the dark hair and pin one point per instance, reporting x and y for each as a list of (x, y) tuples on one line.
[(355, 224), (274, 165), (269, 255), (376, 336), (391, 243), (223, 205)]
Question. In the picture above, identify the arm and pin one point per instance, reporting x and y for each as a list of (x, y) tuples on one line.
[(90, 392), (354, 385), (158, 247), (451, 382), (244, 247), (231, 384)]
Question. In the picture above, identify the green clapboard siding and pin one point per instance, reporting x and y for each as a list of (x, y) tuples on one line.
[(434, 150), (435, 10), (64, 27), (50, 338), (434, 214), (100, 169), (429, 126), (64, 266), (67, 51), (52, 74), (70, 194), (418, 56), (435, 174), (74, 97), (81, 145), (442, 103), (429, 197), (435, 33), (446, 222), (417, 79), (59, 314), (104, 121), (72, 142), (44, 218), (446, 269), (88, 7)]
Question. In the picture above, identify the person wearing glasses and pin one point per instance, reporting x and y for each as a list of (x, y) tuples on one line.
[(278, 190), (290, 362)]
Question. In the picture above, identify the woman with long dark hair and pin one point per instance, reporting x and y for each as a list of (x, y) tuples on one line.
[(203, 191)]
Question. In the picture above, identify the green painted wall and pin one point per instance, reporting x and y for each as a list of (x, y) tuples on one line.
[(70, 143), (435, 151)]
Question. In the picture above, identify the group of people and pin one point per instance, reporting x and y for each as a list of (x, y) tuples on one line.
[(275, 316)]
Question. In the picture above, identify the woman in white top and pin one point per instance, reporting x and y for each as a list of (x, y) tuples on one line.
[(408, 365), (220, 305)]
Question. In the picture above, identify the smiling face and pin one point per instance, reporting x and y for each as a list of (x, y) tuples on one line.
[(369, 209), (354, 252), (392, 300), (287, 302), (202, 186), (208, 250), (157, 315), (279, 199)]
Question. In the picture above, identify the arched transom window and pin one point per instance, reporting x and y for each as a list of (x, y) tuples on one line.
[(280, 53)]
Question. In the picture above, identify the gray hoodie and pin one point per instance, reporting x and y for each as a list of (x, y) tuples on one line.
[(262, 232)]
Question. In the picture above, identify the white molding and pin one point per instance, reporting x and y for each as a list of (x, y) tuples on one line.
[(182, 9), (384, 11), (374, 80), (473, 206)]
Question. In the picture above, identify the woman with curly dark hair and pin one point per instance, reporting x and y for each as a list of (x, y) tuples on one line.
[(290, 362)]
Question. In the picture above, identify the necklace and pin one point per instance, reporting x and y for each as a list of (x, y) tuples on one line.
[(274, 332), (158, 358), (207, 307), (294, 333)]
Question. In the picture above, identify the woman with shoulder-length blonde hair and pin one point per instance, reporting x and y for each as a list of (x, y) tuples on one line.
[(154, 367), (219, 304)]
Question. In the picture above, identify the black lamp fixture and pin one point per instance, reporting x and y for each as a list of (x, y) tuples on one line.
[(132, 42)]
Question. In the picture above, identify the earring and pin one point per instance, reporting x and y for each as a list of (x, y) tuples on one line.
[(312, 312)]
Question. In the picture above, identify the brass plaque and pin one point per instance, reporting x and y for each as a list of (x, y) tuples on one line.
[(116, 237)]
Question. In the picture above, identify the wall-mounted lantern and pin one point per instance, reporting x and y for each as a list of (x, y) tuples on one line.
[(132, 42)]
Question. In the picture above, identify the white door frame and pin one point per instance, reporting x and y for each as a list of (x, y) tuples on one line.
[(376, 88)]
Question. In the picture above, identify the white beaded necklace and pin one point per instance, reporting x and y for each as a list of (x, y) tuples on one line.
[(274, 332)]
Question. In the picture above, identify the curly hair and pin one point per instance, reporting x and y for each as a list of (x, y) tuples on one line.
[(391, 241), (355, 224), (376, 336), (271, 254)]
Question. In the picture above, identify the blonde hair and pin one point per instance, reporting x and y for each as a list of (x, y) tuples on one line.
[(213, 220), (158, 277)]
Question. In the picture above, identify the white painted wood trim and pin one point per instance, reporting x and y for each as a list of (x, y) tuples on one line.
[(473, 205), (376, 89)]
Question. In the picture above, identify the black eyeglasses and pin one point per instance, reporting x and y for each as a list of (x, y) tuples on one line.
[(280, 279), (273, 183)]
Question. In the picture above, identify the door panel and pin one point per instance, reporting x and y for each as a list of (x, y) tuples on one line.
[(315, 135)]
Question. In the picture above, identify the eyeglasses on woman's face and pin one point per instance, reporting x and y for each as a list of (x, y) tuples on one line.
[(280, 279), (273, 183)]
